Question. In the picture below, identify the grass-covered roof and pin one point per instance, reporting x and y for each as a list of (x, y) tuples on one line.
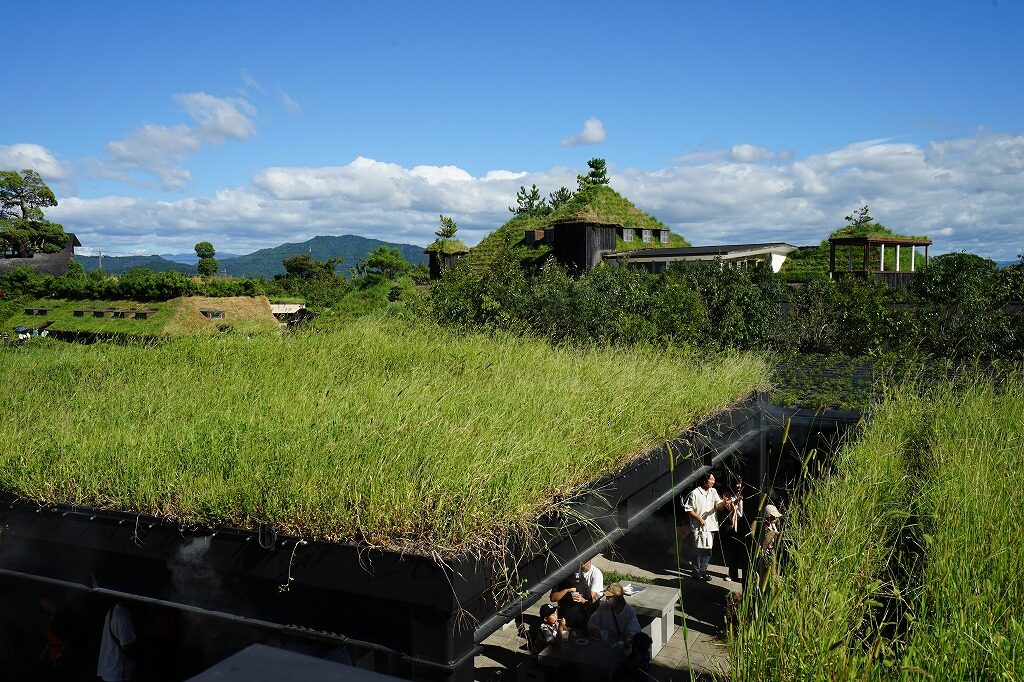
[(596, 204), (446, 247), (812, 262), (397, 436), (250, 315)]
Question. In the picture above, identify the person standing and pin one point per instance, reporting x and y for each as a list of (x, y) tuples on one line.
[(767, 543), (702, 505), (117, 645), (735, 534)]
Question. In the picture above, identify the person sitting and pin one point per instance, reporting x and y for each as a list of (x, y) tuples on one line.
[(615, 620), (576, 601), (549, 631)]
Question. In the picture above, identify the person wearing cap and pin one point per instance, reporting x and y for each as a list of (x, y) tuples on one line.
[(615, 620), (551, 626), (702, 505), (769, 538)]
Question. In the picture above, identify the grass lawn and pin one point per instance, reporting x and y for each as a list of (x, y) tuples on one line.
[(398, 436)]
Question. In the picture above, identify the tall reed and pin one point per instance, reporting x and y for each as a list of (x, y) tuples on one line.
[(820, 619), (904, 563), (969, 621)]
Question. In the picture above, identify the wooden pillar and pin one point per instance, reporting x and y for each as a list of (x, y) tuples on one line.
[(865, 258), (881, 260), (897, 258), (926, 255), (913, 252), (831, 259), (849, 254)]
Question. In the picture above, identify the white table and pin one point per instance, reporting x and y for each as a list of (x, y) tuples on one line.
[(659, 604)]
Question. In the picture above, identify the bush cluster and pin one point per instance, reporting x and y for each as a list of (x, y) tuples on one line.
[(960, 307), (690, 305), (135, 285)]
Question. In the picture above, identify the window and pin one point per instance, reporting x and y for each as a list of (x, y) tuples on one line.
[(627, 234), (647, 235), (664, 236)]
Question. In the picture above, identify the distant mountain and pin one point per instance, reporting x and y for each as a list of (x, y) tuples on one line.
[(265, 262), (192, 258), (1006, 263), (117, 265)]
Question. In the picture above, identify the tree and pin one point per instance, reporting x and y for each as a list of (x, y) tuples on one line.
[(207, 266), (598, 174), (859, 219), (530, 202), (447, 229), (382, 263), (23, 227), (563, 196), (303, 267)]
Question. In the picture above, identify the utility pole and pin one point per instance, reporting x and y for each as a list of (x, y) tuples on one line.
[(101, 260)]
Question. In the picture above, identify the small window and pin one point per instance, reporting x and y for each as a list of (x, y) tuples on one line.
[(627, 235), (664, 236), (647, 235)]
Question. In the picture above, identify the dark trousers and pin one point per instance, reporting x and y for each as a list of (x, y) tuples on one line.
[(737, 553)]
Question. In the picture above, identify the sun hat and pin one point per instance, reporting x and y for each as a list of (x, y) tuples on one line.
[(547, 610), (772, 511)]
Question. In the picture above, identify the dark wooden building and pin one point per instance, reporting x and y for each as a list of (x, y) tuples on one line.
[(581, 245), (55, 264), (444, 254)]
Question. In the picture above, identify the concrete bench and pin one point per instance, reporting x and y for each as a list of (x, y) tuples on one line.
[(658, 604)]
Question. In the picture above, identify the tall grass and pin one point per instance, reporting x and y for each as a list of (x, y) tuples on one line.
[(904, 562), (820, 619), (970, 612), (380, 432)]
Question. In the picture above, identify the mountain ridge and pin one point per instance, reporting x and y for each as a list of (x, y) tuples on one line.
[(264, 262)]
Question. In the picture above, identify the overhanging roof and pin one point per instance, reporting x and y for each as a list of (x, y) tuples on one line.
[(878, 241), (725, 251)]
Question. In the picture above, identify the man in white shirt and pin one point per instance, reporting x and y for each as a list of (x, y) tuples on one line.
[(592, 579), (702, 506), (117, 644)]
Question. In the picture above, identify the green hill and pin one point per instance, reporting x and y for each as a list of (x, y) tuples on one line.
[(117, 265), (265, 262), (597, 204)]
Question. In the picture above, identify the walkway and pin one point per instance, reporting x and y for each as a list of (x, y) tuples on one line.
[(645, 552)]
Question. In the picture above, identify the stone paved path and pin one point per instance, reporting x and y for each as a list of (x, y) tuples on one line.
[(695, 652)]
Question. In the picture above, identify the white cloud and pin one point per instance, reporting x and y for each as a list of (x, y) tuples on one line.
[(593, 133), (250, 82), (162, 150), (965, 193), (289, 103), (38, 158), (748, 153)]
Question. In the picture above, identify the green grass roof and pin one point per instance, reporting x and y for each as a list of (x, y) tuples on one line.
[(597, 204), (412, 438), (812, 262), (447, 247), (250, 315)]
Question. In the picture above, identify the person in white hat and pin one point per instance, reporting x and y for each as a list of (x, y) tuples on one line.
[(769, 534)]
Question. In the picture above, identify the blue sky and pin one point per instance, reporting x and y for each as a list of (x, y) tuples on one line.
[(250, 124)]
